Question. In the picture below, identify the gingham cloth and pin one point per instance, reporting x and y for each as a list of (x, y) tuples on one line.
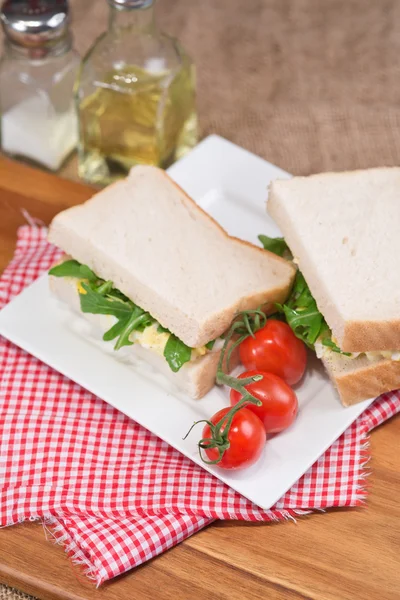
[(110, 491)]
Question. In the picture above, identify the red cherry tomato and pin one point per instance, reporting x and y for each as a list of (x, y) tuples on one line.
[(275, 349), (279, 402), (246, 436)]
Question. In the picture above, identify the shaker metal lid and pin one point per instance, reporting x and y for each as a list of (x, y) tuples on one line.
[(34, 22), (131, 3)]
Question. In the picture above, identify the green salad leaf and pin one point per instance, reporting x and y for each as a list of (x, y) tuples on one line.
[(328, 341), (276, 245), (130, 316), (99, 297), (176, 353), (161, 329), (301, 312), (92, 301), (138, 321), (300, 309), (210, 345), (72, 268), (116, 330)]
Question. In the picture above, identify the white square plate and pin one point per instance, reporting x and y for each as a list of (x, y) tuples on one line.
[(231, 185)]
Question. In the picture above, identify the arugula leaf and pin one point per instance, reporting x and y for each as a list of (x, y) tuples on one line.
[(96, 304), (145, 322), (161, 329), (104, 288), (116, 330), (130, 316), (331, 344), (176, 353), (87, 273), (72, 268), (300, 309), (138, 320), (100, 298), (119, 295), (276, 245), (301, 312)]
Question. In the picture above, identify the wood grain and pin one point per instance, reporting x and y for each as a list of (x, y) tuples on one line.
[(341, 555), (26, 191)]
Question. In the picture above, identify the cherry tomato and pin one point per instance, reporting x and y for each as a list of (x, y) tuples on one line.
[(275, 349), (246, 436), (279, 402)]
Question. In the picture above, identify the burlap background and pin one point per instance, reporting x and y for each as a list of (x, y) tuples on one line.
[(310, 85)]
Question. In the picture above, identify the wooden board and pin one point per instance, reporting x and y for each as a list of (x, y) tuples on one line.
[(341, 555)]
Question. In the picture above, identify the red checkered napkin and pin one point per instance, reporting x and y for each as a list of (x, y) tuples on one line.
[(112, 492)]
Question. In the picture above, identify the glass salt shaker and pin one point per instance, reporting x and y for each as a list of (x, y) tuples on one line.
[(37, 74), (135, 96)]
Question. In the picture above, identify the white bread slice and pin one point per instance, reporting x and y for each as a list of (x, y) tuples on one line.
[(358, 379), (168, 256), (194, 379), (343, 229)]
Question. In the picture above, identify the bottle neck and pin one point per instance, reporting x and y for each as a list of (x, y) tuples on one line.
[(139, 19)]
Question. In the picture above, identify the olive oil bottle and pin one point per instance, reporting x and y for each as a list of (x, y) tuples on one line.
[(135, 97)]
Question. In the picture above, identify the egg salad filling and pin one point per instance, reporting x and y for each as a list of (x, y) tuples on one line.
[(323, 351), (132, 324)]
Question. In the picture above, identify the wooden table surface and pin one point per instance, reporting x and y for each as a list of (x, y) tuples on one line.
[(340, 555)]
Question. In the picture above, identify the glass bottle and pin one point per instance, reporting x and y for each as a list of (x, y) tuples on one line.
[(135, 97), (37, 74)]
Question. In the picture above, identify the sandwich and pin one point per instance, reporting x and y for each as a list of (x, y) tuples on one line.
[(159, 279), (342, 230)]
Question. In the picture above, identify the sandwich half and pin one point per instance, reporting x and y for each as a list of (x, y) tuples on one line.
[(343, 232), (155, 273)]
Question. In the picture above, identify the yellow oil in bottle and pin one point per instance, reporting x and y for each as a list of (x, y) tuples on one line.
[(135, 116)]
